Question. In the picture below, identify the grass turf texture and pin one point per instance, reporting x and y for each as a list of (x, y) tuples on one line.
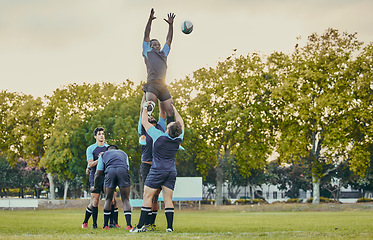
[(214, 223)]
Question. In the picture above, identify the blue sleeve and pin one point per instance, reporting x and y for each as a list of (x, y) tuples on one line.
[(89, 153), (166, 49), (154, 133), (162, 122), (139, 126), (146, 48), (100, 164)]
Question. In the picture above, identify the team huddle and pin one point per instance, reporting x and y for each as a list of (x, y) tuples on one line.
[(108, 166)]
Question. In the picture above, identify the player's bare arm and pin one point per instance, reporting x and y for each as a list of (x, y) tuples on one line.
[(97, 179), (144, 117), (170, 21), (148, 26), (92, 163), (178, 118)]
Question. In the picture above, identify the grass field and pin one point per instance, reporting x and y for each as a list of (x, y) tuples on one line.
[(213, 223)]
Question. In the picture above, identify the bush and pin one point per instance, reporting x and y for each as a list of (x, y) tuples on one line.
[(322, 200), (247, 201), (364, 200), (293, 200)]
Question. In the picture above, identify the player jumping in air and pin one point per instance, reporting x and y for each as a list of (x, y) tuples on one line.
[(156, 65)]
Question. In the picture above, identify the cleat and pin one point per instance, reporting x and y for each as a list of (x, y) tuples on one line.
[(105, 228), (151, 106), (117, 226), (136, 229), (169, 230), (94, 226), (111, 225), (85, 225), (142, 140), (129, 228), (154, 227), (150, 228)]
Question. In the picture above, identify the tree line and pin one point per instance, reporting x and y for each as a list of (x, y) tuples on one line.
[(312, 107)]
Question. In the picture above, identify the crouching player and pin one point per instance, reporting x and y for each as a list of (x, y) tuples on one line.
[(163, 170), (114, 163)]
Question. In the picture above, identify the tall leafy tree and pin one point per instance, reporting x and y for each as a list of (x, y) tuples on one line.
[(229, 109), (315, 94)]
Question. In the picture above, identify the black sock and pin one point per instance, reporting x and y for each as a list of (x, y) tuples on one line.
[(170, 119), (88, 213), (143, 216), (94, 215), (154, 215), (149, 218), (115, 217), (127, 215), (112, 214), (169, 216), (107, 216)]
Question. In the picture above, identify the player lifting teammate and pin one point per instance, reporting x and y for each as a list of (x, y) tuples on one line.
[(163, 171)]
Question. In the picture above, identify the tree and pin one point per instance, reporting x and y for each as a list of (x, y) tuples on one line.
[(314, 93), (229, 107)]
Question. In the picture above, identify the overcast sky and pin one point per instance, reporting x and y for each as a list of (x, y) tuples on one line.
[(45, 44)]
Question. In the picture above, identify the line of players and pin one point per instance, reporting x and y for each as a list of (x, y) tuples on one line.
[(108, 166)]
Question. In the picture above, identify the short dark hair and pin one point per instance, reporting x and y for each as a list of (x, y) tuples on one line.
[(175, 130), (112, 147), (98, 129), (153, 40)]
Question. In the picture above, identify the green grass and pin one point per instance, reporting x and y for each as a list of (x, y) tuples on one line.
[(215, 223)]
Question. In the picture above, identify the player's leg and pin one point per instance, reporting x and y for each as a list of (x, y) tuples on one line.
[(95, 200), (155, 207), (125, 195), (169, 207), (114, 212), (145, 209), (168, 190), (167, 106), (109, 192), (88, 213)]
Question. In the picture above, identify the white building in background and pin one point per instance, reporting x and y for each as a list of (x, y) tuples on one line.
[(271, 194)]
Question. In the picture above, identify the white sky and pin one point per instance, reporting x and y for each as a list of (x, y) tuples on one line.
[(45, 44)]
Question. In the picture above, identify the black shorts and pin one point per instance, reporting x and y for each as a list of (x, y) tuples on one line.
[(117, 177), (156, 179), (159, 88), (144, 171), (100, 184)]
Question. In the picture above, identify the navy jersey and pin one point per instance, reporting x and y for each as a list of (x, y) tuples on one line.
[(112, 159), (147, 150), (92, 153), (156, 62), (164, 149)]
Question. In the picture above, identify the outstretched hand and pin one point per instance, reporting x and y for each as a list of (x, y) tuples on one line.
[(152, 17), (170, 19)]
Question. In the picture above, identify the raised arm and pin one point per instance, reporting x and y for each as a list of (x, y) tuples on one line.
[(148, 26), (144, 118), (170, 22), (178, 118)]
